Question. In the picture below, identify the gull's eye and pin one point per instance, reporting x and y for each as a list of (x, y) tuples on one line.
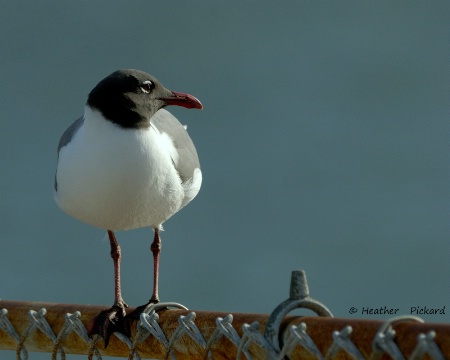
[(147, 86)]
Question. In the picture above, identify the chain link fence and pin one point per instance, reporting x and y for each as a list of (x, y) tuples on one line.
[(60, 329)]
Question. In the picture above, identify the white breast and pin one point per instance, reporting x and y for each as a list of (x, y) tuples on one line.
[(117, 178)]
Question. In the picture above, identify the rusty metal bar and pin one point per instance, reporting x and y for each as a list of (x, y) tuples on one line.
[(364, 331), (151, 348), (321, 331)]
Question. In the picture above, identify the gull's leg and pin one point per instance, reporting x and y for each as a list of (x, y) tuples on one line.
[(116, 255), (112, 320), (155, 248)]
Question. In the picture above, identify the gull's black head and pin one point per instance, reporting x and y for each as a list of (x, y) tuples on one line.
[(130, 98)]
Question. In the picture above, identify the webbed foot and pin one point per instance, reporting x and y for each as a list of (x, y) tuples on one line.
[(110, 321)]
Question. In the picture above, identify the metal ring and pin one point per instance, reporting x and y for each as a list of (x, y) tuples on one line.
[(299, 298)]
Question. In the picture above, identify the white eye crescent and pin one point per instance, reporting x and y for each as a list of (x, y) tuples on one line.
[(147, 86)]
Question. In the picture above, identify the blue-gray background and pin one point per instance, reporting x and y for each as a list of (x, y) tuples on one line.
[(323, 143)]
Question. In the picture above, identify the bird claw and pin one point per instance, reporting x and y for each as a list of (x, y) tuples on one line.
[(110, 321), (136, 313), (153, 306)]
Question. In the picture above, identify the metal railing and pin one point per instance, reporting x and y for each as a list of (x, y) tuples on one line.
[(60, 329)]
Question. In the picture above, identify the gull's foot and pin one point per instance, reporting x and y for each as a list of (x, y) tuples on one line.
[(152, 305), (136, 313), (110, 321)]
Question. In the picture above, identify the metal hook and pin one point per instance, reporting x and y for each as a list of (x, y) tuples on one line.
[(383, 341), (298, 298)]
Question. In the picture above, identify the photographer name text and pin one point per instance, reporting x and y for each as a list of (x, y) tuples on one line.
[(385, 310)]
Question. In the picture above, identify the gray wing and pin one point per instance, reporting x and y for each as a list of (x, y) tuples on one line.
[(188, 161), (70, 132), (67, 137)]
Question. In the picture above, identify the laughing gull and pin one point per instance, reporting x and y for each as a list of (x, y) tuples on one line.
[(127, 163)]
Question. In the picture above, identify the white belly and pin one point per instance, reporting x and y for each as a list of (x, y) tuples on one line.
[(116, 178)]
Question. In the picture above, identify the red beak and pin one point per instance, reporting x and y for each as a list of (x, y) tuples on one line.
[(181, 99)]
